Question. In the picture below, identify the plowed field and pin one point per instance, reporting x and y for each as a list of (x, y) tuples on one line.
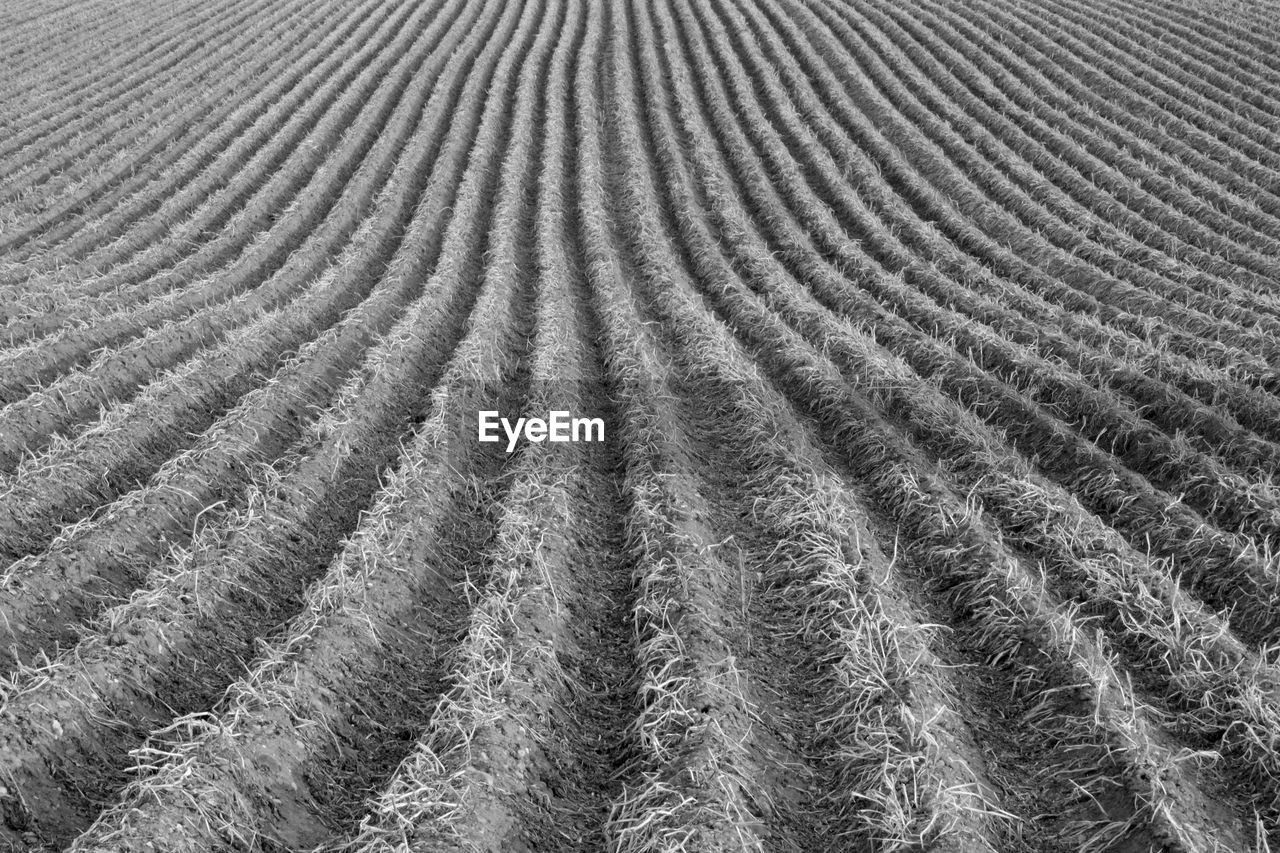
[(936, 350)]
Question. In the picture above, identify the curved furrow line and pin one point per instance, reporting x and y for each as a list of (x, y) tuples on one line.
[(213, 376), (1205, 155), (1160, 404), (56, 90), (1247, 40), (1122, 187), (42, 290), (90, 107), (931, 416), (501, 763), (1165, 462), (997, 586), (1047, 241), (886, 185), (84, 22), (1243, 72), (691, 780), (1095, 124), (1187, 79), (1215, 682), (1229, 574), (104, 691), (1194, 117), (313, 227), (245, 194), (688, 781), (71, 479), (80, 34), (376, 245), (51, 591), (829, 178), (66, 192), (360, 629), (81, 145), (100, 218), (755, 324), (269, 183), (998, 593), (939, 209), (32, 422), (14, 20), (402, 597), (1078, 729), (287, 525), (928, 357), (831, 332), (900, 795), (945, 158), (1063, 232), (1030, 146)]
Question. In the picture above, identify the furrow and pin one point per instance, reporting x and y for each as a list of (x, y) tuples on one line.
[(283, 531), (1110, 134), (896, 221), (315, 225), (1010, 594), (380, 241), (996, 401), (959, 170), (83, 91), (268, 184), (29, 423), (76, 152), (318, 666), (102, 218), (1245, 453), (1177, 229), (655, 426), (939, 209), (704, 687), (502, 763)]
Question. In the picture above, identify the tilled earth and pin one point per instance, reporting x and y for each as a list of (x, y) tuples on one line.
[(936, 348)]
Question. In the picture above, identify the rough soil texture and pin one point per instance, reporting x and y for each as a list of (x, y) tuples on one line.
[(937, 350)]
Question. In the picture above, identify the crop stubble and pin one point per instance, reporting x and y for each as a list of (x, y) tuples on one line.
[(936, 346)]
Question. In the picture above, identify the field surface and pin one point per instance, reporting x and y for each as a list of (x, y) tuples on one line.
[(937, 349)]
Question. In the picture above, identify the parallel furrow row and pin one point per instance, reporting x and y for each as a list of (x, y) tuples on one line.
[(923, 369)]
